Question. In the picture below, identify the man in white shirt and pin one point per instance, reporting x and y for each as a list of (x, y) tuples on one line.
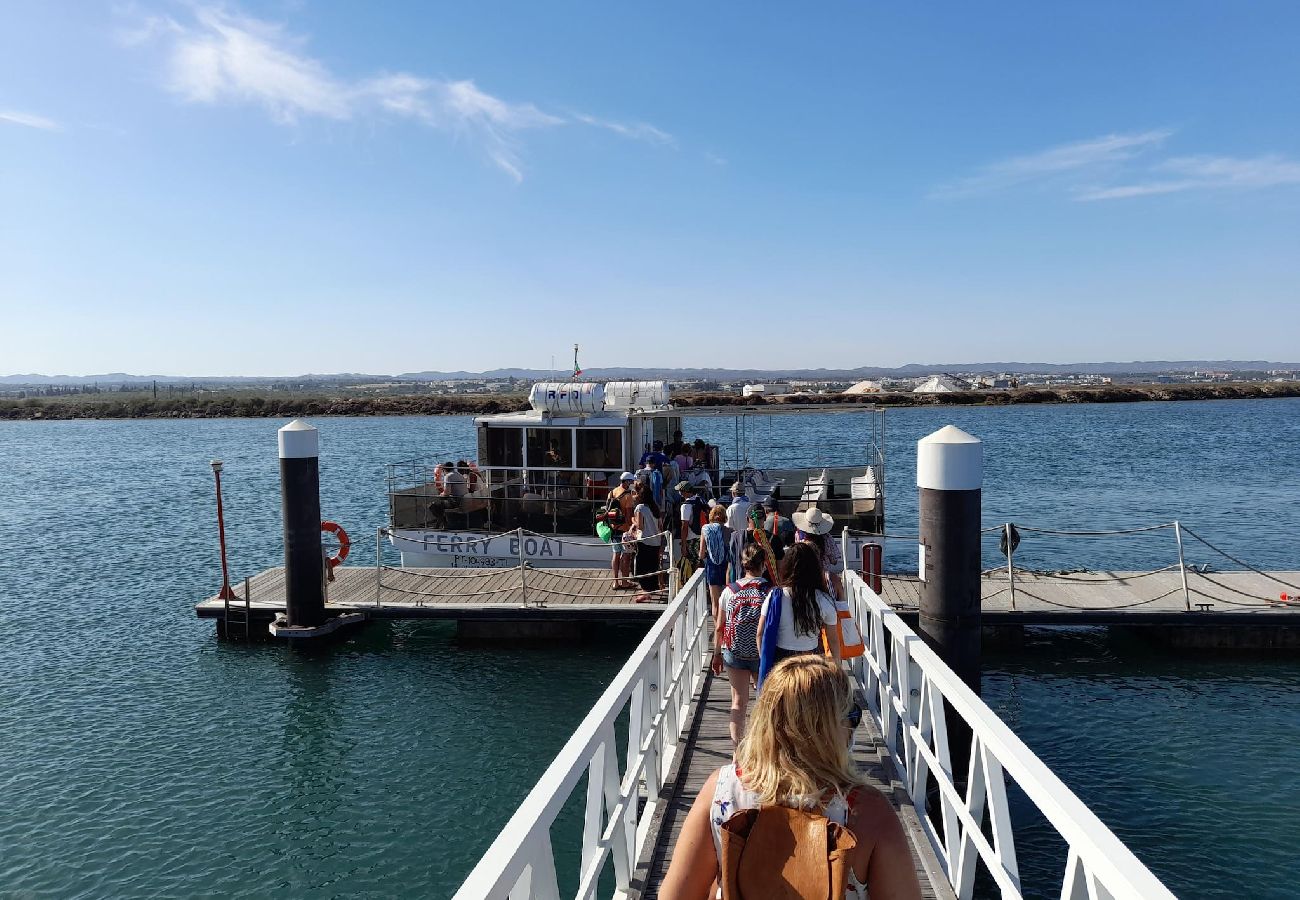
[(738, 522)]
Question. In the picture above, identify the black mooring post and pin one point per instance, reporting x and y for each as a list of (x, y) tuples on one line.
[(300, 508), (949, 475)]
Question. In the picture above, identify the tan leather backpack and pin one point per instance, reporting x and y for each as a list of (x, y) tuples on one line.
[(780, 853)]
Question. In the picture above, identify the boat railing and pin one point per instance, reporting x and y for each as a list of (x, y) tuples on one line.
[(910, 693), (650, 698)]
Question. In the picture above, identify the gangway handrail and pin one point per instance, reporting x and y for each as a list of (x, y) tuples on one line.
[(656, 685), (908, 687)]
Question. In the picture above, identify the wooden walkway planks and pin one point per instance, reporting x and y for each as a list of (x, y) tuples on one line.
[(708, 746), (585, 594)]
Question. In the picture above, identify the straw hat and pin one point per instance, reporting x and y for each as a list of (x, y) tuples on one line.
[(813, 521)]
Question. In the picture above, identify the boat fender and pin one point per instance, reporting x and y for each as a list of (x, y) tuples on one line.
[(345, 544)]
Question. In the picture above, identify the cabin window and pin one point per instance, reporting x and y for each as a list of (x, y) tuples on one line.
[(500, 447), (600, 448), (550, 448)]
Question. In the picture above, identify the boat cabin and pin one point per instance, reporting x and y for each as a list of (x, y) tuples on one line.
[(550, 468)]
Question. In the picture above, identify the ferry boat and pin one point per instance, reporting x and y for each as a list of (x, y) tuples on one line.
[(544, 474)]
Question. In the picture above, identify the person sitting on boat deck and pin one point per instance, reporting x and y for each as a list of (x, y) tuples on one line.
[(454, 488), (470, 471), (738, 522), (796, 754), (699, 477), (814, 527), (715, 553), (806, 609), (735, 643), (648, 542), (780, 530), (692, 514), (675, 445), (618, 511)]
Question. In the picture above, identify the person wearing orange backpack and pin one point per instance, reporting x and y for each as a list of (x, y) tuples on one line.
[(794, 764), (735, 645)]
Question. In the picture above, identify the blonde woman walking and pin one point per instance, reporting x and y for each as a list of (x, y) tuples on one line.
[(796, 754)]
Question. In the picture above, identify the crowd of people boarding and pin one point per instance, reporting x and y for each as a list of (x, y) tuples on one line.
[(776, 600)]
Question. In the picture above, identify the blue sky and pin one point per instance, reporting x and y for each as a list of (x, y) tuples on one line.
[(287, 187)]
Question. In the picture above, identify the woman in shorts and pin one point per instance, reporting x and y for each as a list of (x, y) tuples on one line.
[(715, 553)]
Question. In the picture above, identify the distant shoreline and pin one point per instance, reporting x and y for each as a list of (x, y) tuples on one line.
[(243, 406)]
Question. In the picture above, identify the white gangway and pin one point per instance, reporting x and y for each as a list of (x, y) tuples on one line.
[(907, 687)]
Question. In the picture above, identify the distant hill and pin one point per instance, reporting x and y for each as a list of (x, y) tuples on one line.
[(911, 370)]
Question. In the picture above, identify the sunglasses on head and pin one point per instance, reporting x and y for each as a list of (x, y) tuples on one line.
[(854, 718)]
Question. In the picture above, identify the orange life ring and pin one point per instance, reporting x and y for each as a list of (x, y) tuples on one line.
[(345, 544)]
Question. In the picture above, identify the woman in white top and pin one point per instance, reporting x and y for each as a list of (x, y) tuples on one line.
[(645, 520), (796, 754), (805, 607)]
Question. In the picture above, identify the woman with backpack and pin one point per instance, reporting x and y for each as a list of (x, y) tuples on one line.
[(715, 553), (735, 643), (798, 610), (793, 776)]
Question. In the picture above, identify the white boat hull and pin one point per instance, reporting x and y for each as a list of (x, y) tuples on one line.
[(469, 550)]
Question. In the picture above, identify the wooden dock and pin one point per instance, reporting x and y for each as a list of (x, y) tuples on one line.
[(1120, 598), (587, 595), (573, 595), (707, 746)]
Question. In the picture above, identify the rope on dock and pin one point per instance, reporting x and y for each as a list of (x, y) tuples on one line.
[(604, 576), (508, 589), (1219, 584), (484, 572), (1089, 533), (1034, 596), (1244, 565)]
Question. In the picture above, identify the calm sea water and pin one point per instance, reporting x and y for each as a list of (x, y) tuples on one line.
[(140, 756)]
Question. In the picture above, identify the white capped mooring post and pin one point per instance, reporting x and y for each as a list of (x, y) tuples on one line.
[(300, 509), (949, 477)]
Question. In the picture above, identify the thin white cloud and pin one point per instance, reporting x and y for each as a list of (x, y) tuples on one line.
[(1062, 161), (637, 131), (714, 158), (28, 120), (228, 57), (1198, 173)]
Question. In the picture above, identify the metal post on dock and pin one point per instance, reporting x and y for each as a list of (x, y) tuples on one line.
[(523, 569), (949, 476), (379, 569), (226, 593), (1182, 566), (673, 578), (300, 509), (1011, 569)]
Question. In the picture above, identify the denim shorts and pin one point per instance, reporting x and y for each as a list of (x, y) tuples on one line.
[(736, 662), (619, 546), (714, 574)]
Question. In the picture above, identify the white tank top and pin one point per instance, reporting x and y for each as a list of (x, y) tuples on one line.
[(731, 796)]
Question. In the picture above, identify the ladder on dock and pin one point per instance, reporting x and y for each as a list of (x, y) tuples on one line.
[(237, 616), (661, 697)]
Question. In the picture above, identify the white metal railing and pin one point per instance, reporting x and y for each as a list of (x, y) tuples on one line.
[(655, 687), (907, 688)]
